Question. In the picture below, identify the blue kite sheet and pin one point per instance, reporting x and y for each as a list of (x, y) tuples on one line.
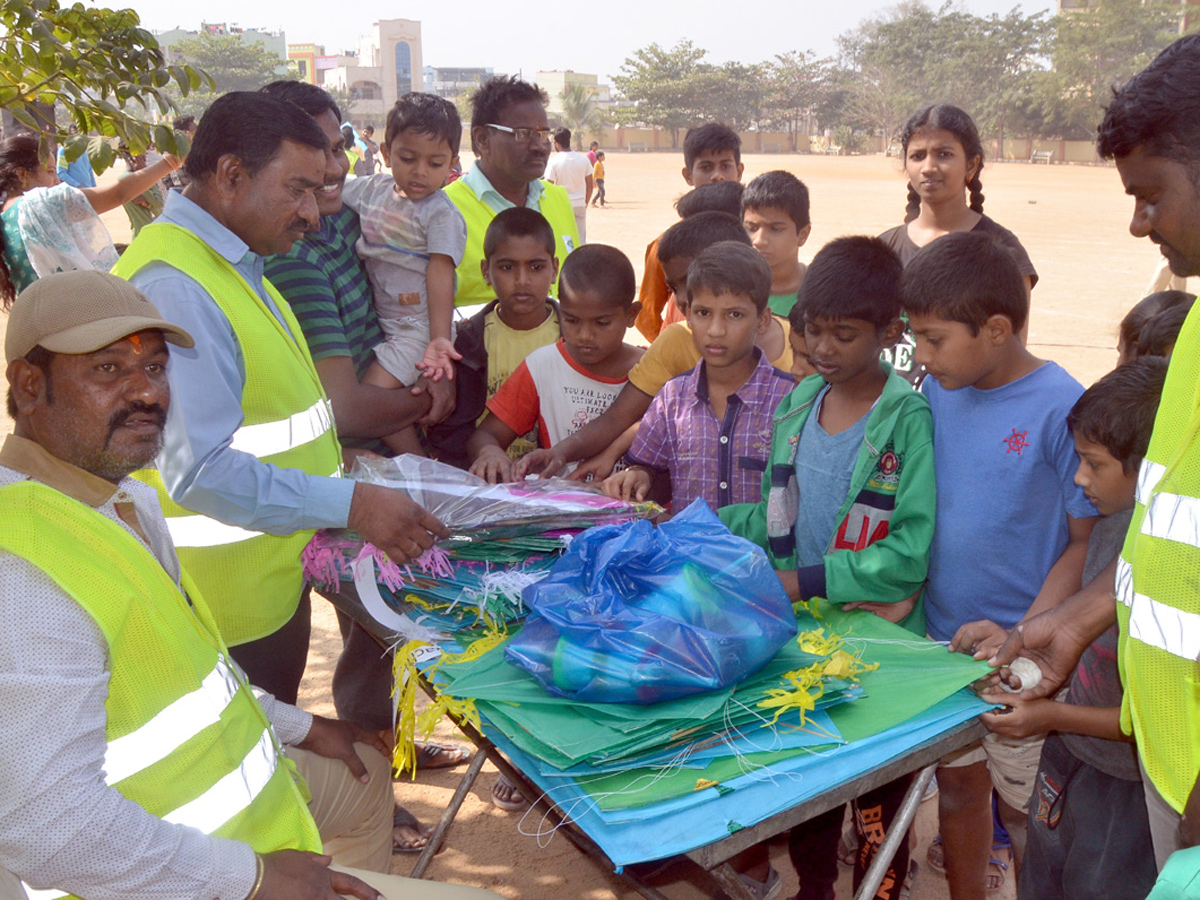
[(676, 826)]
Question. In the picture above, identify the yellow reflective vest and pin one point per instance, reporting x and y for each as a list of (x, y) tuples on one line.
[(555, 205), (252, 580), (186, 739), (1158, 585)]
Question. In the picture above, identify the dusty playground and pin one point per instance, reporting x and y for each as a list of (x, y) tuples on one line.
[(1073, 220)]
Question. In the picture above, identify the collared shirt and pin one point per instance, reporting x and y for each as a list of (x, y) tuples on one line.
[(479, 183), (54, 672), (719, 460), (200, 469)]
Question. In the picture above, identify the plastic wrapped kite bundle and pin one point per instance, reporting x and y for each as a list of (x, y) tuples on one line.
[(642, 614), (504, 539)]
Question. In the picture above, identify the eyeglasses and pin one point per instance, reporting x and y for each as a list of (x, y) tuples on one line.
[(525, 135)]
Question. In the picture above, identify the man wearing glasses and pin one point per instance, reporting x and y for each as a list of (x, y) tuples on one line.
[(511, 139)]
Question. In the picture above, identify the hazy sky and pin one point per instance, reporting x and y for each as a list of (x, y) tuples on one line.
[(593, 37)]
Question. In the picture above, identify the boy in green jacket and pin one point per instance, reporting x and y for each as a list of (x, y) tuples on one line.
[(849, 498)]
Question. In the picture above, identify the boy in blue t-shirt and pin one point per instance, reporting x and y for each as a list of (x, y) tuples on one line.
[(1012, 526)]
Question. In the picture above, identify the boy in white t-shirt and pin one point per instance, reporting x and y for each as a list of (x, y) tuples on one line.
[(563, 386), (413, 237)]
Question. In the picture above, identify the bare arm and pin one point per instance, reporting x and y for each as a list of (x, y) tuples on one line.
[(132, 185), (1066, 575), (364, 411), (1024, 718), (438, 361), (589, 183), (629, 407)]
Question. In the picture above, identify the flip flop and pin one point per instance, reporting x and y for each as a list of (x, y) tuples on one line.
[(441, 756), (507, 796), (936, 858), (847, 850), (402, 818)]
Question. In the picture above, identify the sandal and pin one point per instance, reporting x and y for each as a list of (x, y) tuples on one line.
[(910, 879), (408, 835), (440, 756), (507, 796), (997, 868)]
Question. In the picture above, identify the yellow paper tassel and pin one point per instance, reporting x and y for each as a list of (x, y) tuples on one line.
[(404, 690), (414, 600), (704, 783)]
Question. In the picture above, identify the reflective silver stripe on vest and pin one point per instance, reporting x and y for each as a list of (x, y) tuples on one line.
[(1173, 517), (233, 793), (1149, 476), (172, 727), (1159, 625), (270, 438), (200, 531), (49, 894), (1124, 583)]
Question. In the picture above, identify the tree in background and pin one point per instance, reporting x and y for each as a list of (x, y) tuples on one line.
[(231, 64), (1092, 51), (663, 87), (96, 64), (580, 112), (796, 85)]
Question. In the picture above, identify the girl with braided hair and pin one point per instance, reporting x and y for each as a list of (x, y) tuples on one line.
[(943, 157)]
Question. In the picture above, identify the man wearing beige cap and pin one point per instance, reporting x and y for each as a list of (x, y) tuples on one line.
[(137, 761)]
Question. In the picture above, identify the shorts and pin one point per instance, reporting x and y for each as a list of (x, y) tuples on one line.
[(1012, 763), (1089, 835), (403, 346)]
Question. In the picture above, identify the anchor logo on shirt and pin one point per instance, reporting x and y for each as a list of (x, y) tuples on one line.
[(1016, 441)]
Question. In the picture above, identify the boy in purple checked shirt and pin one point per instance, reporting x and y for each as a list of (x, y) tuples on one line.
[(710, 429)]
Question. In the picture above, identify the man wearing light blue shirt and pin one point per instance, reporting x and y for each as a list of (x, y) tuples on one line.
[(255, 170)]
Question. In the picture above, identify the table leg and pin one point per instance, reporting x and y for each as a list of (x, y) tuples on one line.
[(443, 825), (897, 833), (727, 877)]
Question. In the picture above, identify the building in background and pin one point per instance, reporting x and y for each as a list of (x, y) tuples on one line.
[(273, 42), (554, 83), (387, 64), (452, 82)]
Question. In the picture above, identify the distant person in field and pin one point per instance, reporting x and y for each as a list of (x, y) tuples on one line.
[(598, 180), (711, 152), (572, 171)]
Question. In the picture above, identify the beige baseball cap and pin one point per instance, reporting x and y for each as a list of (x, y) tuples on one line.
[(80, 312)]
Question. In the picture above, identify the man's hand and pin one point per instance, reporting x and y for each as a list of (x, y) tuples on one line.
[(493, 466), (296, 875), (392, 522), (438, 361), (541, 462), (335, 739), (630, 485), (443, 400), (1051, 641), (978, 639), (1020, 718)]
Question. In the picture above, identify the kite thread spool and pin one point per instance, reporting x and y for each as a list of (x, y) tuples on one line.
[(1026, 672)]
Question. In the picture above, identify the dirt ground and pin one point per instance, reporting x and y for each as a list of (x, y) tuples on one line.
[(1073, 220)]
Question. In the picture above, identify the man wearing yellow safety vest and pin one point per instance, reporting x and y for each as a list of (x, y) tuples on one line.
[(138, 762), (250, 452), (511, 138), (1152, 129)]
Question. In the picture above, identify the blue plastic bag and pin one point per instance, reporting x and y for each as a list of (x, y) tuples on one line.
[(638, 614)]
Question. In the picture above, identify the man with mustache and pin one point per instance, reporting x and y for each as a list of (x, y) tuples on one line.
[(138, 761), (510, 136), (249, 447)]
